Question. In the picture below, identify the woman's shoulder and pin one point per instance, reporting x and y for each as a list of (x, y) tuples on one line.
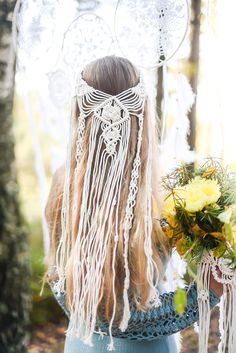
[(59, 175), (57, 181)]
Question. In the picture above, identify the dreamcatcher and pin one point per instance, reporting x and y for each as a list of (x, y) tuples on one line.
[(149, 33)]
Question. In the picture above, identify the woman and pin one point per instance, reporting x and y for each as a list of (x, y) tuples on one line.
[(108, 255)]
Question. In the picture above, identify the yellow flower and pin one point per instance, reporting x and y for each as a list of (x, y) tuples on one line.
[(168, 206), (209, 171), (194, 200), (218, 235), (182, 245), (201, 192), (198, 231), (169, 232), (169, 203), (232, 166)]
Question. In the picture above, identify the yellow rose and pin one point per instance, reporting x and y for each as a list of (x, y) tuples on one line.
[(168, 206), (200, 193), (170, 200), (194, 200), (169, 213)]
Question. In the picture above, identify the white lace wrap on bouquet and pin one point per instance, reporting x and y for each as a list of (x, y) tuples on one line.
[(105, 162), (222, 273)]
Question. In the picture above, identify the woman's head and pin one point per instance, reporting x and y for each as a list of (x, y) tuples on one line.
[(111, 74), (109, 218)]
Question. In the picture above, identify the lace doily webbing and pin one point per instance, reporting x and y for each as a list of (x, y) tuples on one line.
[(163, 320), (155, 322)]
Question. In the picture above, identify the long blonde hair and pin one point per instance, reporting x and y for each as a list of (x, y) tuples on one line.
[(112, 75)]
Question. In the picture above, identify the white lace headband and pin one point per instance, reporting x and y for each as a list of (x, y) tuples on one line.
[(82, 88), (111, 110), (107, 154)]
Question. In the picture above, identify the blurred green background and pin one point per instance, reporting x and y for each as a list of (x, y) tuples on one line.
[(44, 307)]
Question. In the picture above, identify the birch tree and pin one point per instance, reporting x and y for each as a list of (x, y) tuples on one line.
[(14, 266)]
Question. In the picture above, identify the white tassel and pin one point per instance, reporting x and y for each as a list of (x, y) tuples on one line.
[(133, 189), (203, 275), (174, 146), (185, 94), (227, 322)]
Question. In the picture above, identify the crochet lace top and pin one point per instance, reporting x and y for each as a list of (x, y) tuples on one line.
[(155, 322)]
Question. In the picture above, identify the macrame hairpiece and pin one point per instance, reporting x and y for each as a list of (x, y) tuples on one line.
[(107, 153)]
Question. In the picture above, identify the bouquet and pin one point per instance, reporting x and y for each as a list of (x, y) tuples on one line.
[(199, 219)]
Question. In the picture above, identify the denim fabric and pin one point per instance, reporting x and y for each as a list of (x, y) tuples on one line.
[(161, 345)]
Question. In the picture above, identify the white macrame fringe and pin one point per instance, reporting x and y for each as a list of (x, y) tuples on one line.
[(153, 275), (92, 250), (227, 325), (228, 305), (99, 213), (128, 224), (203, 275)]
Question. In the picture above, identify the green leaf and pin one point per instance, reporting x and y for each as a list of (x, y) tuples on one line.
[(228, 231), (220, 249), (192, 274), (180, 300)]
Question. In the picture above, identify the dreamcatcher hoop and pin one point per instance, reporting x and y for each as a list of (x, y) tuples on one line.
[(89, 17), (164, 7)]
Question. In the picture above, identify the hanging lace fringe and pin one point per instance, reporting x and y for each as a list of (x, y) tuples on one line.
[(227, 306), (108, 148)]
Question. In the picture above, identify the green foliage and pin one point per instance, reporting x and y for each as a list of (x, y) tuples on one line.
[(180, 300), (179, 177), (44, 307)]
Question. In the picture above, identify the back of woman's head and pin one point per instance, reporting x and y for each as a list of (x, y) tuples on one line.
[(110, 233), (111, 74)]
